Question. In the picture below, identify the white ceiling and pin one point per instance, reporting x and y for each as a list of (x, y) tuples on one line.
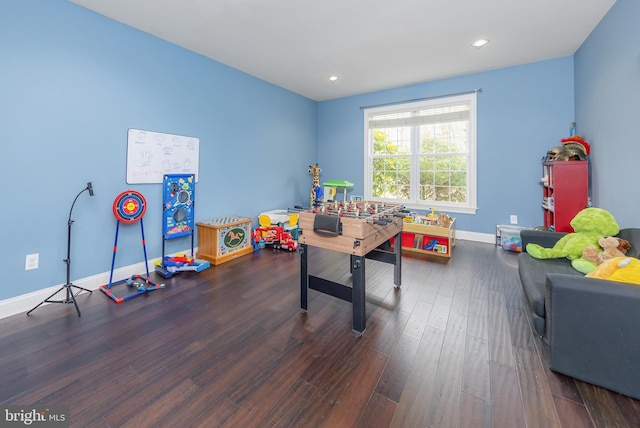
[(369, 44)]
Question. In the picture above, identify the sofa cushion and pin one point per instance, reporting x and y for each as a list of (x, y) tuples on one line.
[(633, 236), (533, 276), (593, 331)]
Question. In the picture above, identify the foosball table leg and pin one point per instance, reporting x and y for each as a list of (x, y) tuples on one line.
[(358, 295), (397, 267), (304, 277)]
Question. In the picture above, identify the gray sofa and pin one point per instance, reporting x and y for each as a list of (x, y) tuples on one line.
[(591, 325)]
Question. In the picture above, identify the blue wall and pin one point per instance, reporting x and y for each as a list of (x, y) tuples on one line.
[(607, 81), (522, 112), (72, 83)]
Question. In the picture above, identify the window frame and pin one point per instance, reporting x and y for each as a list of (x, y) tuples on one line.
[(470, 207)]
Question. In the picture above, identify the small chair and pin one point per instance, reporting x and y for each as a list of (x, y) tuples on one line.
[(264, 220), (292, 225)]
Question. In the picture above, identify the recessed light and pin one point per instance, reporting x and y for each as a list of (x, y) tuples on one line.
[(480, 43), (333, 78)]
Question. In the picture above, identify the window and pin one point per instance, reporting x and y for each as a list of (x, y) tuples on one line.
[(423, 154)]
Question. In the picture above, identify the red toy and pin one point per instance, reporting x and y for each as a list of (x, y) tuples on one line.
[(179, 260), (577, 140), (276, 237)]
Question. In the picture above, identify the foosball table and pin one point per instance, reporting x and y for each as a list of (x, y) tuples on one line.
[(357, 228)]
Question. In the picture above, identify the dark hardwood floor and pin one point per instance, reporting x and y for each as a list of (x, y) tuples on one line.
[(230, 347)]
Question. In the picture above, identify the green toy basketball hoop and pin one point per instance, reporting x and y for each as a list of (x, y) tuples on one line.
[(339, 184)]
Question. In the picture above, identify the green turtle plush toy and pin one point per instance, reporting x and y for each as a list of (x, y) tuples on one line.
[(589, 226)]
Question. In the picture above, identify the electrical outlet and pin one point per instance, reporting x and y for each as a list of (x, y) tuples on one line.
[(514, 219), (31, 261)]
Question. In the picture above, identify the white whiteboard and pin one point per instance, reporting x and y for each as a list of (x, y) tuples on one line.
[(151, 154)]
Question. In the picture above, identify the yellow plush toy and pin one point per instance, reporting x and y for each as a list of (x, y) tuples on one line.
[(621, 269)]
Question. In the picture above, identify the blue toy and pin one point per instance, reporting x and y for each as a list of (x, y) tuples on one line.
[(429, 246), (178, 222)]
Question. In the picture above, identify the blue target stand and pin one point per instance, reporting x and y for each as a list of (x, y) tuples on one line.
[(178, 222), (129, 207)]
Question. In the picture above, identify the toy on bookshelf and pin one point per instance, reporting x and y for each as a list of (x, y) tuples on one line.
[(410, 217), (431, 219), (429, 246)]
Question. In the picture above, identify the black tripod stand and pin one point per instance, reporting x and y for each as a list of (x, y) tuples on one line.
[(70, 296)]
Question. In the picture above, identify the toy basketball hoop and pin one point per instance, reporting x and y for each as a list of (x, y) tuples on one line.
[(129, 207)]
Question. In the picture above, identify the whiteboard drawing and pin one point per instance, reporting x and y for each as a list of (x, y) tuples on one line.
[(145, 159), (151, 154)]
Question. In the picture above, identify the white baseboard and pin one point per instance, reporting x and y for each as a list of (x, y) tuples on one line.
[(25, 302), (487, 238)]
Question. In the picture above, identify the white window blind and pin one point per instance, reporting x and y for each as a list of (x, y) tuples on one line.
[(423, 154)]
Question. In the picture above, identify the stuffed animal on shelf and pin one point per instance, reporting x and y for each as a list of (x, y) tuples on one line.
[(589, 226), (621, 269), (592, 256)]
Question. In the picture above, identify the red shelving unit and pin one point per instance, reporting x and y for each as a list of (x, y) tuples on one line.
[(565, 192)]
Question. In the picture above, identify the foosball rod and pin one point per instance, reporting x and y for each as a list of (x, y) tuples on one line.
[(380, 219)]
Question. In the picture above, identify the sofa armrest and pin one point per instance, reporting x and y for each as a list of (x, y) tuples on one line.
[(593, 331), (540, 237)]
